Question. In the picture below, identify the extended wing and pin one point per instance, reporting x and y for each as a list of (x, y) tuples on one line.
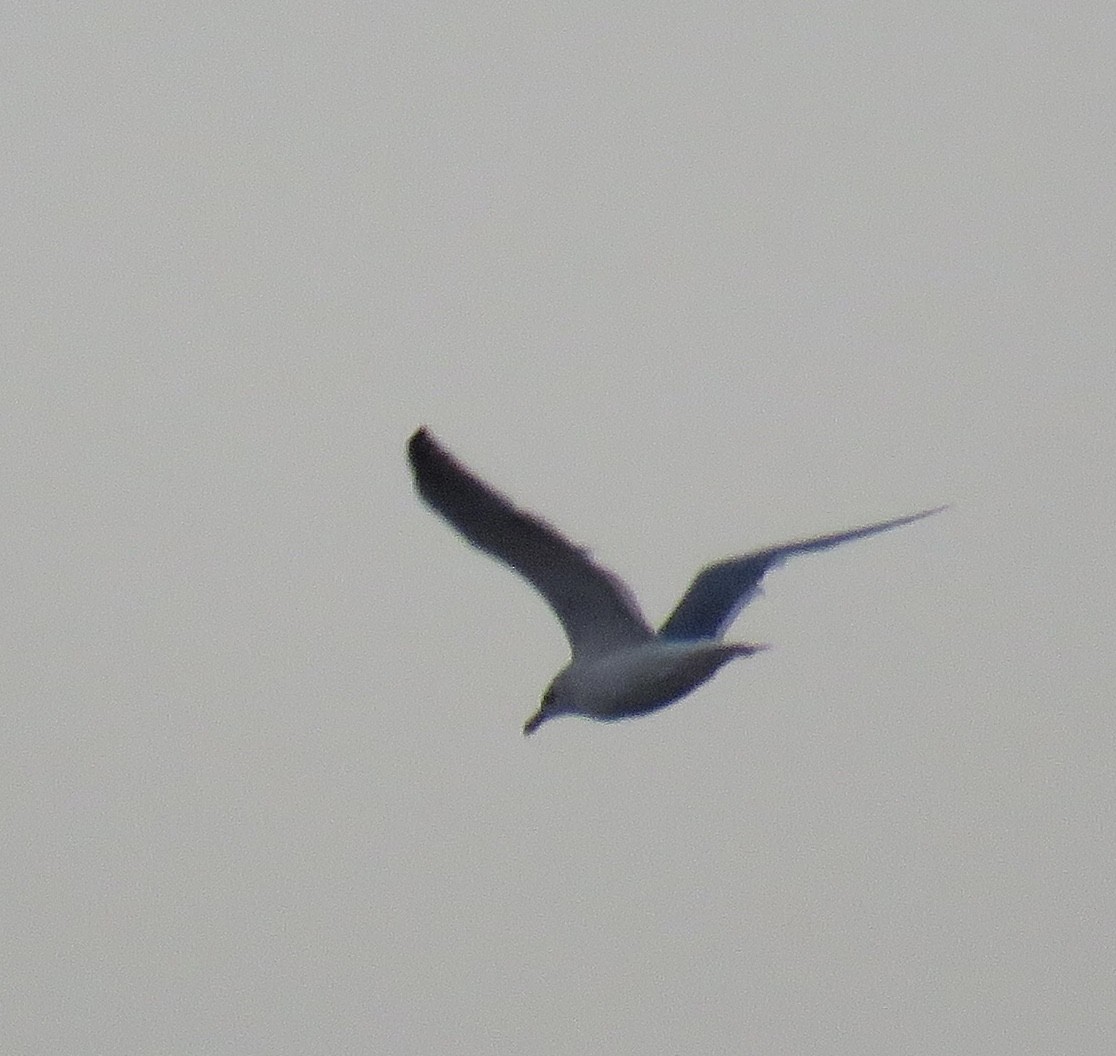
[(595, 608), (721, 590)]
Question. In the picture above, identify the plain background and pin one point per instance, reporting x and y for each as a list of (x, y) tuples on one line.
[(685, 279)]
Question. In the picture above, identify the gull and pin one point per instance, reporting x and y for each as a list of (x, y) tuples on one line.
[(619, 667)]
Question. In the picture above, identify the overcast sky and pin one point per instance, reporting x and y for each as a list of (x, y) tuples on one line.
[(685, 279)]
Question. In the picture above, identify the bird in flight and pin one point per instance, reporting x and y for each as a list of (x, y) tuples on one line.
[(619, 667)]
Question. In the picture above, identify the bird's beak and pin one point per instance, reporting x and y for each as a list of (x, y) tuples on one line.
[(533, 723)]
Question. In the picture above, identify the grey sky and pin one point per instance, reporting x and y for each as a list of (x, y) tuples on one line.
[(684, 280)]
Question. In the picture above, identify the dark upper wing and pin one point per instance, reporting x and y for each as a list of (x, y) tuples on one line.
[(596, 610), (721, 590)]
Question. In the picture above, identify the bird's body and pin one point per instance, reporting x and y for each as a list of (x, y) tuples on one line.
[(636, 679), (619, 666)]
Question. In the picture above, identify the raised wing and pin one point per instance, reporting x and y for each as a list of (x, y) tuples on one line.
[(595, 608), (721, 590)]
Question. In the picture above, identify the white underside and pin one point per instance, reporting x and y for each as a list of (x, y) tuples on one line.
[(639, 679)]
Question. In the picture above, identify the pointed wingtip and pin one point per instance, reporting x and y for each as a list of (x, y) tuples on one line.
[(424, 453), (912, 517)]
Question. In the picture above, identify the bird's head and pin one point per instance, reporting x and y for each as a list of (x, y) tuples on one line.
[(551, 705)]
